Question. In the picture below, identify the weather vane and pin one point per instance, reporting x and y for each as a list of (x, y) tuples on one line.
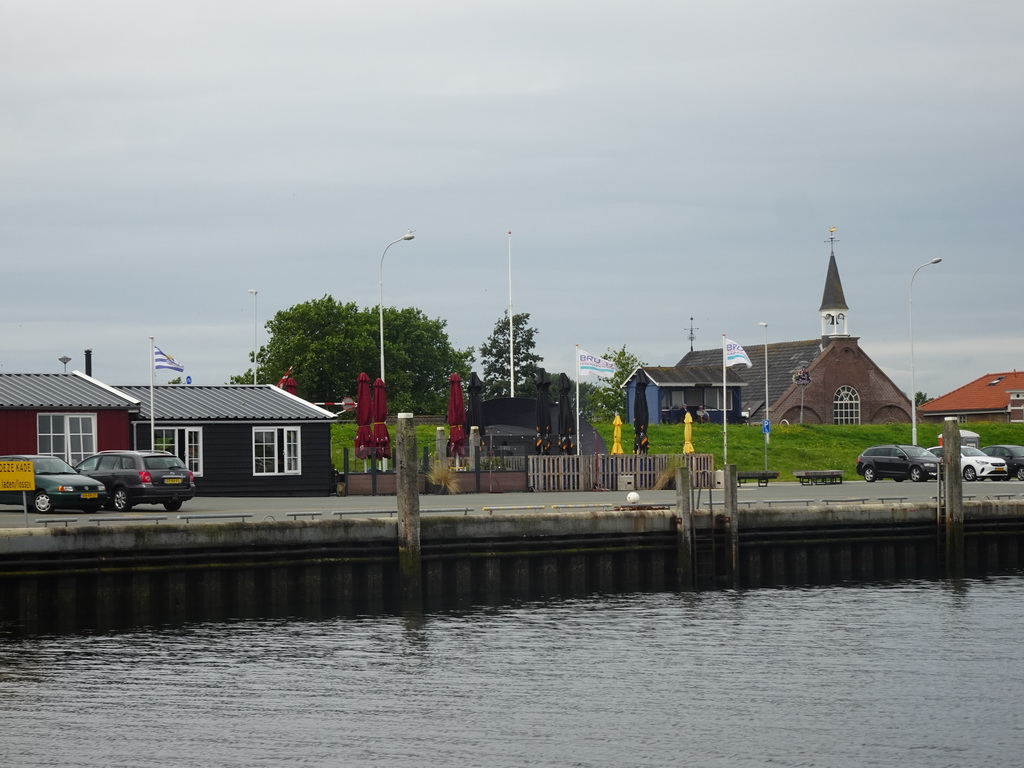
[(692, 335), (832, 240)]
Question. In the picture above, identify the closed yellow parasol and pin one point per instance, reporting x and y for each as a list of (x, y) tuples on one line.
[(688, 433), (617, 435)]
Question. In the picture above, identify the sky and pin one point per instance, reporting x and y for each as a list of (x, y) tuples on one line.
[(655, 161)]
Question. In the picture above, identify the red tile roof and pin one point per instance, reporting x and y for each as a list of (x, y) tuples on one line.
[(986, 393)]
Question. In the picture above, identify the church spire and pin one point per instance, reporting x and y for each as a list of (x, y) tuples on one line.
[(833, 307)]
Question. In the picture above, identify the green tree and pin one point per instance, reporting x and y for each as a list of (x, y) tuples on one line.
[(328, 343), (609, 397), (920, 398), (494, 356)]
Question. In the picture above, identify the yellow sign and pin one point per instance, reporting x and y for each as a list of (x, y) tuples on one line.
[(17, 476)]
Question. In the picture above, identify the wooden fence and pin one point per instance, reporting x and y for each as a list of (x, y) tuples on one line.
[(616, 472)]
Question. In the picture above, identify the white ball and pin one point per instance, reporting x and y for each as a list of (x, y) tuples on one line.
[(632, 497)]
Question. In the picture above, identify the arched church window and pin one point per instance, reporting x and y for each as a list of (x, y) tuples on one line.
[(846, 406)]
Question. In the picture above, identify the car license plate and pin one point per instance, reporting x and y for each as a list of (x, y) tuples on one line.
[(90, 495), (172, 481)]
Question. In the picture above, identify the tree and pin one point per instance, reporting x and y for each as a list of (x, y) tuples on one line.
[(605, 401), (920, 398), (494, 356), (327, 344)]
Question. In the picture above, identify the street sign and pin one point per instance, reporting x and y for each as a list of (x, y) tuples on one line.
[(766, 426), (17, 476)]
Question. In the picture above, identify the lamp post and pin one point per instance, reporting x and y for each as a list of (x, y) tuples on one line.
[(913, 390), (255, 326), (767, 415), (64, 359), (380, 307)]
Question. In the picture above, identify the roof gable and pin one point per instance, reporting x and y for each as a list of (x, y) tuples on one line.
[(990, 392)]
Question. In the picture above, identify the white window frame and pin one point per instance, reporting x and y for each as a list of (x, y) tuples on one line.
[(846, 405), (285, 451), (194, 461), (76, 444)]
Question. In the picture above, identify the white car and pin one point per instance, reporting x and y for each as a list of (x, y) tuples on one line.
[(976, 465)]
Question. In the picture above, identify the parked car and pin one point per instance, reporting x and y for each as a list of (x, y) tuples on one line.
[(976, 465), (1013, 455), (58, 486), (900, 462), (141, 477)]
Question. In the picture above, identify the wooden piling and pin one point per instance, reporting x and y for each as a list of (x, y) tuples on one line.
[(408, 501), (684, 530), (953, 499)]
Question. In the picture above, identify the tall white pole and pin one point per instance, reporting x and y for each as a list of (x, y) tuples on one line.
[(767, 415), (380, 306), (725, 410), (913, 390), (511, 334), (578, 452), (255, 331), (152, 415)]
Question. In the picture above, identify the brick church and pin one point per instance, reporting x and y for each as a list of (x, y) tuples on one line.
[(828, 380)]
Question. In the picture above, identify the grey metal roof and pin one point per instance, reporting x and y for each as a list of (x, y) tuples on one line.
[(693, 376), (59, 390), (228, 402)]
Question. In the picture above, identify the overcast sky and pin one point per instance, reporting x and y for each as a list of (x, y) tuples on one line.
[(655, 160)]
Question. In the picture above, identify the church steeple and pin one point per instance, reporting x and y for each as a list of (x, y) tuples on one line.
[(833, 307)]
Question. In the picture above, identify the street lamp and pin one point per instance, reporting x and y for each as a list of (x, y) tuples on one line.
[(64, 359), (255, 325), (913, 390), (380, 307), (767, 416)]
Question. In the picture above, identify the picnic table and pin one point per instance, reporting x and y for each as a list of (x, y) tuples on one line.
[(819, 476)]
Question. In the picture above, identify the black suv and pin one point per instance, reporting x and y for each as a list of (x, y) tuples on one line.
[(141, 477), (1013, 455), (899, 462)]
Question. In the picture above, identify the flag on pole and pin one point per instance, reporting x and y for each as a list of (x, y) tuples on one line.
[(735, 354), (284, 379), (594, 365), (162, 360)]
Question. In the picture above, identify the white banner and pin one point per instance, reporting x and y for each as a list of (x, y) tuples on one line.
[(592, 365)]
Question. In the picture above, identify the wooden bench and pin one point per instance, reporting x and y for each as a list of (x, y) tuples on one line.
[(819, 476), (762, 476)]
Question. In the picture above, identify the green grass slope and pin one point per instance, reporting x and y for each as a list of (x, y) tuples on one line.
[(792, 447)]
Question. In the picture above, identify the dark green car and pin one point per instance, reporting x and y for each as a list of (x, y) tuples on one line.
[(58, 486)]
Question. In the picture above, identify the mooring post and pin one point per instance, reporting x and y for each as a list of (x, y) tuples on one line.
[(730, 492), (954, 498), (440, 444), (408, 502), (684, 530)]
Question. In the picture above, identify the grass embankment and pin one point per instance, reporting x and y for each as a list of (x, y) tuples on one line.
[(792, 446)]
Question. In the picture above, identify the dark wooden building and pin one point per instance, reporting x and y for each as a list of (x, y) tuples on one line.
[(239, 439)]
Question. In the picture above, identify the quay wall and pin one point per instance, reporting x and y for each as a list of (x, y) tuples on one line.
[(131, 574)]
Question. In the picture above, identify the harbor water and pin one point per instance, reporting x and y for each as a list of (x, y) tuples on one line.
[(911, 674)]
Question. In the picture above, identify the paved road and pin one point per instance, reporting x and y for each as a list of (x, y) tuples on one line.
[(266, 508)]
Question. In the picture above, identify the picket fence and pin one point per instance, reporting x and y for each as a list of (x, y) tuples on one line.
[(616, 472)]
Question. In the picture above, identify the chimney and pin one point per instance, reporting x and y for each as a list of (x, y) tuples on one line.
[(88, 362)]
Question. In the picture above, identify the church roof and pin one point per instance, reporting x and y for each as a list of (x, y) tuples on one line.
[(784, 358)]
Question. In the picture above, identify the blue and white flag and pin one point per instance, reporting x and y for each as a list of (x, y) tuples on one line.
[(162, 360), (594, 365), (735, 354)]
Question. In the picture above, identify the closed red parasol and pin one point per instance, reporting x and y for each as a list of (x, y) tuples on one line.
[(364, 417), (456, 417), (381, 438)]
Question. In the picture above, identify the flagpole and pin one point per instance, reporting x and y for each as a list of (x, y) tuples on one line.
[(725, 417), (577, 399), (511, 343), (152, 414)]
